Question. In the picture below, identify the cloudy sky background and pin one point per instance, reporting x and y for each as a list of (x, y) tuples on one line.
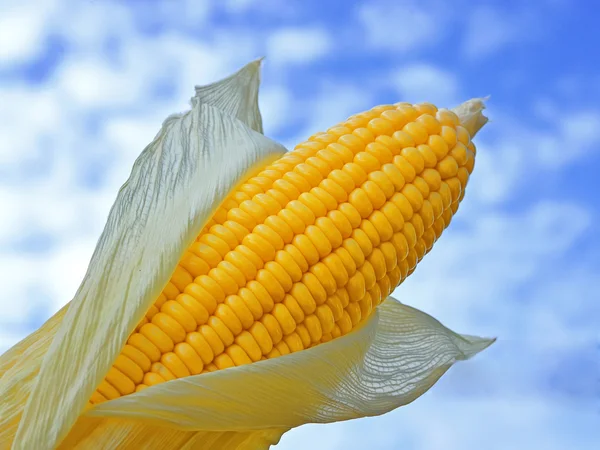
[(85, 85)]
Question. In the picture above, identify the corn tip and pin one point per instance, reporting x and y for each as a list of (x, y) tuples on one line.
[(471, 115)]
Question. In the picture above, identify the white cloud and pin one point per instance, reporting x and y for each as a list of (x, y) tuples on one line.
[(488, 30), (330, 104), (437, 423), (422, 82), (404, 26), (298, 45), (22, 31), (275, 105)]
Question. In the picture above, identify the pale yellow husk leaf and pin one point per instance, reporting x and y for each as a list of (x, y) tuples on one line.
[(196, 159), (391, 359)]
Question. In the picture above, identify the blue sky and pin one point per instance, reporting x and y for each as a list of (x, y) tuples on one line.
[(85, 85)]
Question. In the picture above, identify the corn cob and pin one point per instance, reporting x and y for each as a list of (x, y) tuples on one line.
[(304, 251)]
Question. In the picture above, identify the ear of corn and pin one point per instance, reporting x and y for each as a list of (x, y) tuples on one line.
[(305, 250)]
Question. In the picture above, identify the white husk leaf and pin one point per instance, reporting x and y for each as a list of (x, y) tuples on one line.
[(389, 361), (193, 163)]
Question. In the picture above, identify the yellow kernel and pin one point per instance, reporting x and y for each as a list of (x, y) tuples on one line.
[(271, 284), (224, 280), (393, 215), (273, 327), (364, 134), (356, 172), (383, 182), (449, 136), (120, 381), (426, 108), (260, 246), (194, 265), (345, 323), (222, 330), (294, 342), (463, 176), (163, 331), (376, 196), (160, 369), (366, 161), (403, 139), (177, 312), (356, 287), (329, 230), (353, 310), (435, 198), (389, 143), (215, 243), (447, 167), (446, 194), (334, 190), (429, 157), (202, 346), (204, 296), (414, 196), (243, 264), (333, 160), (336, 307), (239, 308), (341, 223), (304, 298), (224, 361), (175, 365), (315, 287), (297, 257), (447, 117), (414, 157), (368, 273), (422, 186), (405, 167), (394, 175), (369, 229), (170, 291), (283, 348), (146, 346), (459, 153), (336, 267), (358, 199), (248, 343), (400, 244), (410, 234), (325, 317), (431, 125), (395, 117), (352, 142), (408, 110), (338, 131), (417, 131), (380, 152), (152, 379), (427, 214), (304, 335), (285, 319), (319, 240), (108, 391), (381, 223), (294, 308), (325, 278), (462, 135), (432, 178)]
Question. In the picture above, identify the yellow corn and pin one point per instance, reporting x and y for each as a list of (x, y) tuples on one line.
[(303, 252)]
